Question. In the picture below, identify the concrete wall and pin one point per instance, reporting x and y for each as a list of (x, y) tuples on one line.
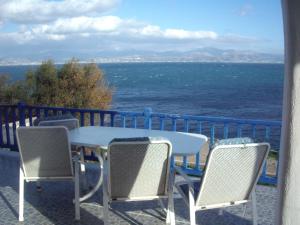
[(289, 172)]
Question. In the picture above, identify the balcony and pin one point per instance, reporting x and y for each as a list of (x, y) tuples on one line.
[(54, 205)]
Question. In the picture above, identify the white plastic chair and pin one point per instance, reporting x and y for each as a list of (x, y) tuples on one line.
[(70, 124), (138, 169), (230, 177), (46, 155)]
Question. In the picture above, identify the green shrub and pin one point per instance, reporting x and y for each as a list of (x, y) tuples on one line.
[(72, 85)]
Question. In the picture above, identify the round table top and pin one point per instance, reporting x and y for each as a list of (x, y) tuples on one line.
[(97, 136)]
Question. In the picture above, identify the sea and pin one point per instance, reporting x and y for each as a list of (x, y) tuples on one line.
[(235, 90), (238, 90)]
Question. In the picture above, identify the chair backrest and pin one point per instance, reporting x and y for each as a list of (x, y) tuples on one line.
[(45, 152), (68, 123), (52, 117), (138, 168), (231, 173)]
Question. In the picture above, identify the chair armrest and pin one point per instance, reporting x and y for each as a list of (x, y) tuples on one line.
[(184, 175)]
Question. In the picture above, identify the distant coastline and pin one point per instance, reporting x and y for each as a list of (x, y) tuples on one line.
[(201, 55), (141, 62)]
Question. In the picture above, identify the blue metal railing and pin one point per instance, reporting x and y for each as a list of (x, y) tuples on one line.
[(215, 128)]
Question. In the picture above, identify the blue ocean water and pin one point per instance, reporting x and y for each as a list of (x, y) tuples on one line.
[(251, 91)]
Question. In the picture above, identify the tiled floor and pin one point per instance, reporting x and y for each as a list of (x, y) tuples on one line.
[(54, 205)]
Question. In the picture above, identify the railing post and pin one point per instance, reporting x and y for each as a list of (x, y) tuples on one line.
[(21, 109), (147, 115)]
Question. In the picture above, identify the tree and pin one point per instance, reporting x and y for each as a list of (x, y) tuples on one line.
[(42, 84), (72, 85)]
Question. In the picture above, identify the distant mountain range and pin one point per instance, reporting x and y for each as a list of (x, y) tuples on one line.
[(198, 55)]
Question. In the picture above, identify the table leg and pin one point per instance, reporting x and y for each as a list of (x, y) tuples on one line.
[(97, 186)]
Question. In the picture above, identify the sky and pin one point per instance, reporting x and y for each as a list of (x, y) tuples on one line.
[(88, 28)]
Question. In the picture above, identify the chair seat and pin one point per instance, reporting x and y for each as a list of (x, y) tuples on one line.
[(183, 187)]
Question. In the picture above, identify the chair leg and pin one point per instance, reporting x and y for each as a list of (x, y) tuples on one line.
[(82, 166), (244, 209), (21, 196), (254, 209), (105, 192), (105, 205), (83, 171), (170, 210), (192, 209), (77, 204)]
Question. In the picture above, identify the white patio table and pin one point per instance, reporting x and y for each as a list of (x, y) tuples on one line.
[(98, 138)]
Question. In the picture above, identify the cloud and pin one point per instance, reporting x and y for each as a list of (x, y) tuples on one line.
[(180, 34), (184, 34), (104, 27), (245, 10), (39, 11), (40, 29), (79, 25), (235, 38)]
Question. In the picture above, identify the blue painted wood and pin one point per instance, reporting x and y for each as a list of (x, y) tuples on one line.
[(21, 109), (147, 120), (226, 129), (46, 112), (200, 127), (198, 157), (134, 123), (82, 119), (123, 119), (264, 171), (268, 131), (102, 118), (112, 120), (239, 130), (267, 180), (38, 113), (14, 117), (54, 111), (186, 125), (194, 172), (220, 119), (1, 133), (73, 112), (92, 119), (212, 134), (30, 117), (186, 129), (174, 124), (181, 120), (172, 161), (161, 123), (6, 115)]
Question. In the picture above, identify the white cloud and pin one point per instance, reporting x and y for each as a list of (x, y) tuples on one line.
[(56, 37), (235, 38), (104, 26), (38, 11), (76, 28), (184, 34), (245, 10), (79, 25), (151, 30)]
